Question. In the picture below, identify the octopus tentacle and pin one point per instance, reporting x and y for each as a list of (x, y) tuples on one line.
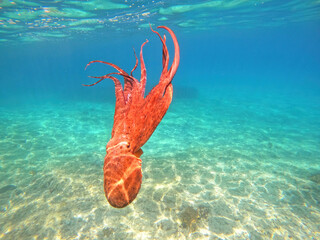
[(166, 76), (128, 85), (135, 66), (165, 53), (132, 91), (143, 71), (128, 78), (110, 64), (176, 59), (90, 85), (120, 102), (117, 82)]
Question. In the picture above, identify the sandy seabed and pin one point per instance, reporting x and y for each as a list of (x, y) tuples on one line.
[(226, 167)]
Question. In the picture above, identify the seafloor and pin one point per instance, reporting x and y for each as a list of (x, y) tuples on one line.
[(240, 164)]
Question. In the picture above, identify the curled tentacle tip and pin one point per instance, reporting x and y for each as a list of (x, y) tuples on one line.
[(151, 27)]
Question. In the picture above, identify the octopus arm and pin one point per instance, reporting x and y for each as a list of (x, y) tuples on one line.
[(143, 71), (176, 59)]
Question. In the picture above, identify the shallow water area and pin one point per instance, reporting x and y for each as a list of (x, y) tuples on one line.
[(220, 168), (237, 155)]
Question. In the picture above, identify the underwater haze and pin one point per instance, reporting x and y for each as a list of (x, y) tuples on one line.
[(237, 155)]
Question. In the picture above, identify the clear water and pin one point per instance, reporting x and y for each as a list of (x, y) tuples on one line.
[(237, 155)]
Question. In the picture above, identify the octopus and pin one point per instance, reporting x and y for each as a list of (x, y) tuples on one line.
[(135, 119)]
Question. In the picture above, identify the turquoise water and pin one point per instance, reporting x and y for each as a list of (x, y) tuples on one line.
[(237, 156)]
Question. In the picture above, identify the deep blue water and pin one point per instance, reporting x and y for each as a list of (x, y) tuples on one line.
[(237, 155), (285, 57)]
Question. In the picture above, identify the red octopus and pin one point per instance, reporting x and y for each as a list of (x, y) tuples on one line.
[(135, 119)]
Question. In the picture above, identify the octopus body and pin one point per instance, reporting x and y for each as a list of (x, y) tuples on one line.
[(135, 119)]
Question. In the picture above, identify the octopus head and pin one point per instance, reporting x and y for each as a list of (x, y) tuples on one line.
[(122, 178)]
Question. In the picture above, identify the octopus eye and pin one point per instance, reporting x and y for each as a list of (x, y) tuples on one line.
[(128, 145)]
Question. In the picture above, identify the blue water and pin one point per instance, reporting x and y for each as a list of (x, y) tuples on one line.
[(237, 156)]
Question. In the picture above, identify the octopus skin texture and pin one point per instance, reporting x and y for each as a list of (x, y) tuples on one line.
[(136, 118)]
